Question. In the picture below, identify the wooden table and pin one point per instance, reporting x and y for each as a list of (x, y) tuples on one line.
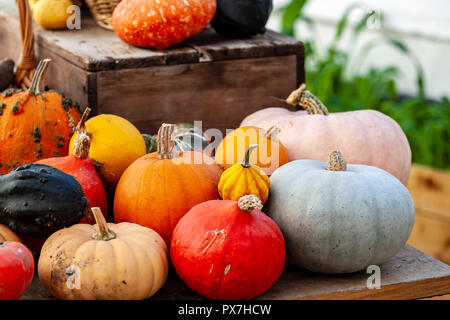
[(411, 274)]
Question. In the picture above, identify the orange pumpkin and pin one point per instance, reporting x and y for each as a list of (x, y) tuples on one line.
[(34, 125), (158, 189), (269, 155)]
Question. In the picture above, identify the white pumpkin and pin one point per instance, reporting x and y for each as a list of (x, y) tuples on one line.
[(338, 218)]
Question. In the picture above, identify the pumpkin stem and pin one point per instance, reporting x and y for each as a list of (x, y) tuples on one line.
[(273, 132), (250, 202), (246, 161), (82, 142), (336, 161), (103, 232), (165, 141), (307, 101), (36, 81)]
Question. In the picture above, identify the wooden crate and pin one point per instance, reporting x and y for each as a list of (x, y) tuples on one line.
[(207, 77), (430, 189)]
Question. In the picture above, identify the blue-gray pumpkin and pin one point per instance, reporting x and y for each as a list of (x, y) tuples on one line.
[(339, 218)]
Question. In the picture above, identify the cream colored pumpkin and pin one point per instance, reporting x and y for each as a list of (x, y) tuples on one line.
[(107, 261), (365, 137)]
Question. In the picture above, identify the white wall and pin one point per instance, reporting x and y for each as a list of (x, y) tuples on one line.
[(424, 25)]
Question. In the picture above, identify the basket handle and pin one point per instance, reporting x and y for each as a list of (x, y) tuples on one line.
[(27, 62)]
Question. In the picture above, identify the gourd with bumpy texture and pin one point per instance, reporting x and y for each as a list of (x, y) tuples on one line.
[(228, 250), (107, 261), (115, 144), (161, 24), (37, 200), (159, 188), (269, 155), (80, 166), (243, 179), (16, 270), (339, 218), (364, 136), (35, 125)]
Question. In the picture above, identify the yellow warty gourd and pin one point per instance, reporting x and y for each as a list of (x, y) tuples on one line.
[(243, 179)]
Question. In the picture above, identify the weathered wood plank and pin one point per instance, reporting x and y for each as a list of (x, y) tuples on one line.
[(72, 81), (93, 48), (411, 274), (432, 236), (230, 89), (430, 189)]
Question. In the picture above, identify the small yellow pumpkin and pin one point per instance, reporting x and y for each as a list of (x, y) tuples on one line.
[(243, 179), (270, 153), (104, 262), (115, 144)]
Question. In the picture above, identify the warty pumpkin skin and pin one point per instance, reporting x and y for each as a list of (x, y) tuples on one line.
[(115, 144), (243, 179), (269, 155), (107, 261), (80, 166), (34, 125), (159, 188), (339, 218), (228, 250), (365, 136)]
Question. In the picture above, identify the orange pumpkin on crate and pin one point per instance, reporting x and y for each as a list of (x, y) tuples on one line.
[(34, 125), (161, 187)]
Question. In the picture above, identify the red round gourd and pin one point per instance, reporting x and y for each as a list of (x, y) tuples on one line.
[(16, 270), (161, 23), (80, 166), (228, 250)]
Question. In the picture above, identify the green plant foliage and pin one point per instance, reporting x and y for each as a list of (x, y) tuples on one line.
[(340, 84)]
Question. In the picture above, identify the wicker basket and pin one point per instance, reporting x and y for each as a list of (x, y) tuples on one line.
[(102, 11)]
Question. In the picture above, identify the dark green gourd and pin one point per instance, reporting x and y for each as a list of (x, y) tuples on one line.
[(241, 18), (36, 200)]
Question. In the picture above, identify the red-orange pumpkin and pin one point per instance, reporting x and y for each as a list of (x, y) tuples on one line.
[(226, 249), (34, 125), (161, 23), (80, 166), (159, 188)]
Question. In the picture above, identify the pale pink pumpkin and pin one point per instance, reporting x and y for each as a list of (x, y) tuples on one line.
[(161, 23), (365, 136)]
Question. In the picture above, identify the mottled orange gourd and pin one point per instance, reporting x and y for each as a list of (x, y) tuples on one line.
[(34, 125)]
